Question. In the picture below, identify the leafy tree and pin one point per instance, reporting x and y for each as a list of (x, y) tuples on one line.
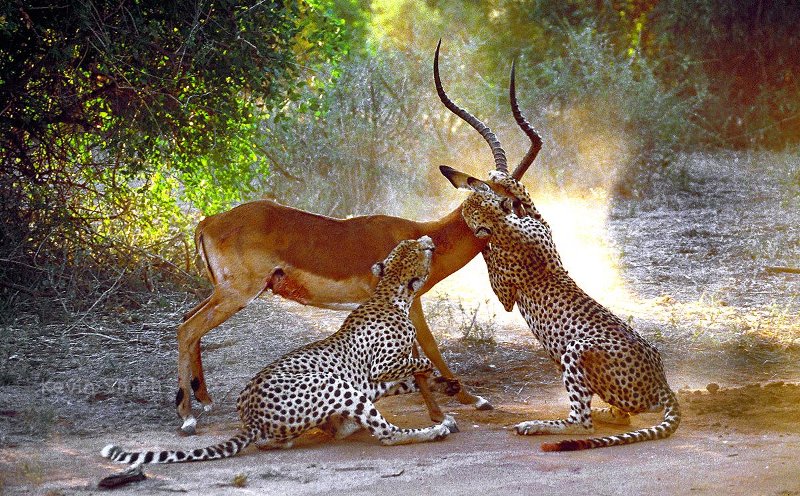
[(116, 116), (742, 58)]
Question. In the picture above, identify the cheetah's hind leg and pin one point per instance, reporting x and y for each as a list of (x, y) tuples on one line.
[(364, 412), (340, 427), (611, 415)]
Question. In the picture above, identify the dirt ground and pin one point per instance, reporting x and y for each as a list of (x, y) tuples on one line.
[(734, 441), (686, 266)]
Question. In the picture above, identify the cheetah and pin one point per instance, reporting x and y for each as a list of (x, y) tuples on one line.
[(333, 383), (597, 352)]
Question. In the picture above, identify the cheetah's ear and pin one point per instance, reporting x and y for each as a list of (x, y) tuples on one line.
[(415, 284), (377, 269)]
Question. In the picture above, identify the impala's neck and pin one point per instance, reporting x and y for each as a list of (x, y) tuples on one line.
[(455, 244)]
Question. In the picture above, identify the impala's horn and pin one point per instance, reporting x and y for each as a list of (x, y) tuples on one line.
[(488, 135), (536, 140)]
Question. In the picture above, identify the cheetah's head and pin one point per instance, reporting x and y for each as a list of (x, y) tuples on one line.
[(520, 245), (407, 266)]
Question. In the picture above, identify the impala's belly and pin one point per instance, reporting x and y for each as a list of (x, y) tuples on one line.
[(312, 289)]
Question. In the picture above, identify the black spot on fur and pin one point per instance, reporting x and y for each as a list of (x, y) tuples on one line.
[(178, 397)]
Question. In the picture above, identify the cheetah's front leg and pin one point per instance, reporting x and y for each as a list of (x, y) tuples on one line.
[(579, 420), (365, 413)]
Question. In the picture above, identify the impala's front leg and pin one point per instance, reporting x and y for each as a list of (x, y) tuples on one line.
[(580, 394), (421, 379), (431, 350)]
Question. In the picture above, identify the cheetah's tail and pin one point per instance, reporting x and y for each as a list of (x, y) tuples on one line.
[(672, 418), (221, 450)]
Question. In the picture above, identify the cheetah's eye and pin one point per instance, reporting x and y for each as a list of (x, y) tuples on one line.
[(508, 205), (483, 232)]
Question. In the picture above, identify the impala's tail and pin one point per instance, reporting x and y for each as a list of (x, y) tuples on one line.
[(672, 418), (222, 450)]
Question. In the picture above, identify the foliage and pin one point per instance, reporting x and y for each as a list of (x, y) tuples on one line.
[(118, 116), (122, 122), (372, 149), (611, 121), (742, 57)]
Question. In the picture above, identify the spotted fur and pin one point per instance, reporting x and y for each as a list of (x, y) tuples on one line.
[(333, 383), (597, 352)]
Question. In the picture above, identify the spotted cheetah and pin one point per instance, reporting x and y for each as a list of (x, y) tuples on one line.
[(597, 352), (333, 383)]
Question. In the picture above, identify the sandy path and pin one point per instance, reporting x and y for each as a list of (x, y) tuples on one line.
[(737, 441), (695, 256)]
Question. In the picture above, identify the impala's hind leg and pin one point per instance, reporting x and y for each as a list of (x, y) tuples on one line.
[(216, 311), (579, 420), (229, 296), (199, 379)]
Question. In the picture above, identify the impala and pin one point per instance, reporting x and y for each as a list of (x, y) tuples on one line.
[(325, 262)]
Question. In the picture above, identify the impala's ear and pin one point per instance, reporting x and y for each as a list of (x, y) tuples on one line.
[(377, 269), (462, 180), (415, 284)]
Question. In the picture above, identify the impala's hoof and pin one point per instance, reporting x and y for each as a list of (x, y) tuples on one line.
[(483, 404), (450, 387), (189, 427)]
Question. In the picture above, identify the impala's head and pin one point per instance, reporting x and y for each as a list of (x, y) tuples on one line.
[(500, 181), (499, 210), (519, 246), (406, 268)]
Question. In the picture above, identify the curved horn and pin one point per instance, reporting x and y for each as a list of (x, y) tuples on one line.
[(488, 135), (536, 140)]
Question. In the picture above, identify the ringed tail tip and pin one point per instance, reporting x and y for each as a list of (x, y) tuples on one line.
[(109, 451), (569, 445)]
